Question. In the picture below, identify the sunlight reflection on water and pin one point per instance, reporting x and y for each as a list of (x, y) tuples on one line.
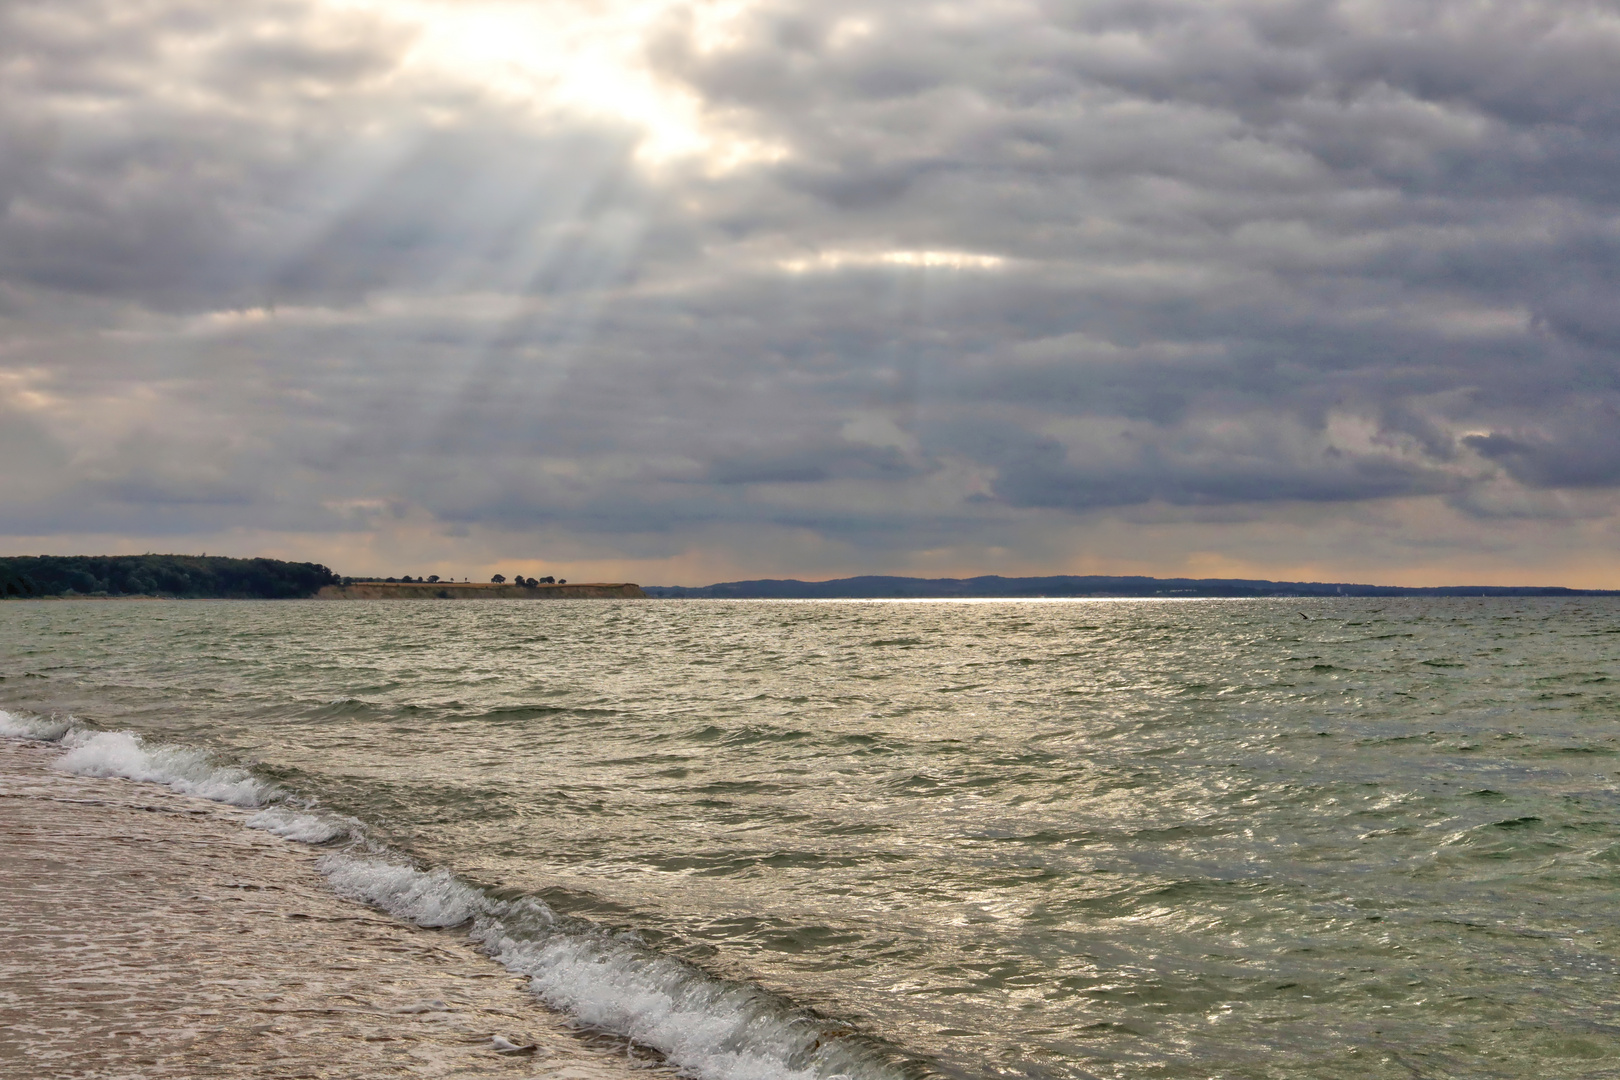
[(1069, 838)]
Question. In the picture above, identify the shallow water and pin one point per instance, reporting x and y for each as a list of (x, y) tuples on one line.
[(1051, 839), (149, 936)]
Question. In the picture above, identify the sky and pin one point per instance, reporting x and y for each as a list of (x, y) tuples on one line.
[(680, 292)]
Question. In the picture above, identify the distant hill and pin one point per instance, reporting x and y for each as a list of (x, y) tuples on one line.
[(890, 588), (181, 576)]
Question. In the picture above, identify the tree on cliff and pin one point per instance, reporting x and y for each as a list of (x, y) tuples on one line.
[(498, 579)]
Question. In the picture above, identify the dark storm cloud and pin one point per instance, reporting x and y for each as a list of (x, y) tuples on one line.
[(145, 143), (1324, 205), (1582, 451), (258, 270), (808, 464)]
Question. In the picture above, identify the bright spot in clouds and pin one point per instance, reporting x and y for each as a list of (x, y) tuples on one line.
[(942, 260), (580, 58)]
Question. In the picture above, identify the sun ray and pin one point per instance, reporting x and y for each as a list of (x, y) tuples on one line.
[(579, 58)]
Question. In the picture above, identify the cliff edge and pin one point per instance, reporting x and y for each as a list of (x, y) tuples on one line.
[(466, 590)]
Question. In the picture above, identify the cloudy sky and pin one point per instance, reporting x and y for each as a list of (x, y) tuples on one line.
[(677, 292)]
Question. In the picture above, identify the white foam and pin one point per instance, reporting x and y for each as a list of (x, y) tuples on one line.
[(33, 727), (432, 898), (703, 1026), (306, 828), (189, 772)]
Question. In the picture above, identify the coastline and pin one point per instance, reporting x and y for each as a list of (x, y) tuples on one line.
[(388, 590), (451, 590), (151, 934)]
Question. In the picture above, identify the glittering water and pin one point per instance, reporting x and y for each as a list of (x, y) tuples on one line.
[(1053, 839)]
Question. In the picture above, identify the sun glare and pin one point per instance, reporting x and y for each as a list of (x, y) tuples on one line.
[(581, 58)]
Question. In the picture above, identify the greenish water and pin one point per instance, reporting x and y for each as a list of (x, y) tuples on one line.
[(1048, 839)]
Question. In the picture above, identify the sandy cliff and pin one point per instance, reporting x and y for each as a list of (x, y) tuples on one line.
[(451, 590)]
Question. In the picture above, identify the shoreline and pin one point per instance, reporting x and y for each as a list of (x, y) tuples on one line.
[(151, 934), (385, 590), (474, 590)]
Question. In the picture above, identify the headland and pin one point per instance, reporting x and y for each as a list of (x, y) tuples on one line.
[(468, 590), (214, 577)]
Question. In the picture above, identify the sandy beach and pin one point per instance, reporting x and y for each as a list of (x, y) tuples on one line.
[(149, 934)]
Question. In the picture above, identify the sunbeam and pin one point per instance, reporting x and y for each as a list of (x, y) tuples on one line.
[(817, 286), (582, 58)]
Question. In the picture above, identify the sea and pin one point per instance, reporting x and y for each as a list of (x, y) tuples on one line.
[(799, 840)]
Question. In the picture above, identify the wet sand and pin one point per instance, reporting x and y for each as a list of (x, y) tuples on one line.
[(149, 934)]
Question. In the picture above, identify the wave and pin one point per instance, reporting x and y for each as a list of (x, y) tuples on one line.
[(33, 727), (306, 828), (126, 755), (705, 1026), (189, 772)]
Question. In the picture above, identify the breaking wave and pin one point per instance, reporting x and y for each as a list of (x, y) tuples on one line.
[(33, 727), (189, 772), (703, 1025), (302, 826), (127, 756)]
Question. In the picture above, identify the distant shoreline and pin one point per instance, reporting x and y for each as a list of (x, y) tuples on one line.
[(203, 577), (468, 590), (1085, 587), (388, 591), (218, 577)]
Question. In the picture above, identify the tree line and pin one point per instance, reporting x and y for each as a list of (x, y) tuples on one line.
[(180, 576)]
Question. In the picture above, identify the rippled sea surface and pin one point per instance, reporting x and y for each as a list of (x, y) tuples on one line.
[(1302, 839)]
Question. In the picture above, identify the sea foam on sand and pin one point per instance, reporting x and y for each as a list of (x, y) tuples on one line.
[(148, 934), (126, 755), (704, 1026)]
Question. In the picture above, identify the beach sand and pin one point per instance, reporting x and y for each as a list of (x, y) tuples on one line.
[(149, 934)]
